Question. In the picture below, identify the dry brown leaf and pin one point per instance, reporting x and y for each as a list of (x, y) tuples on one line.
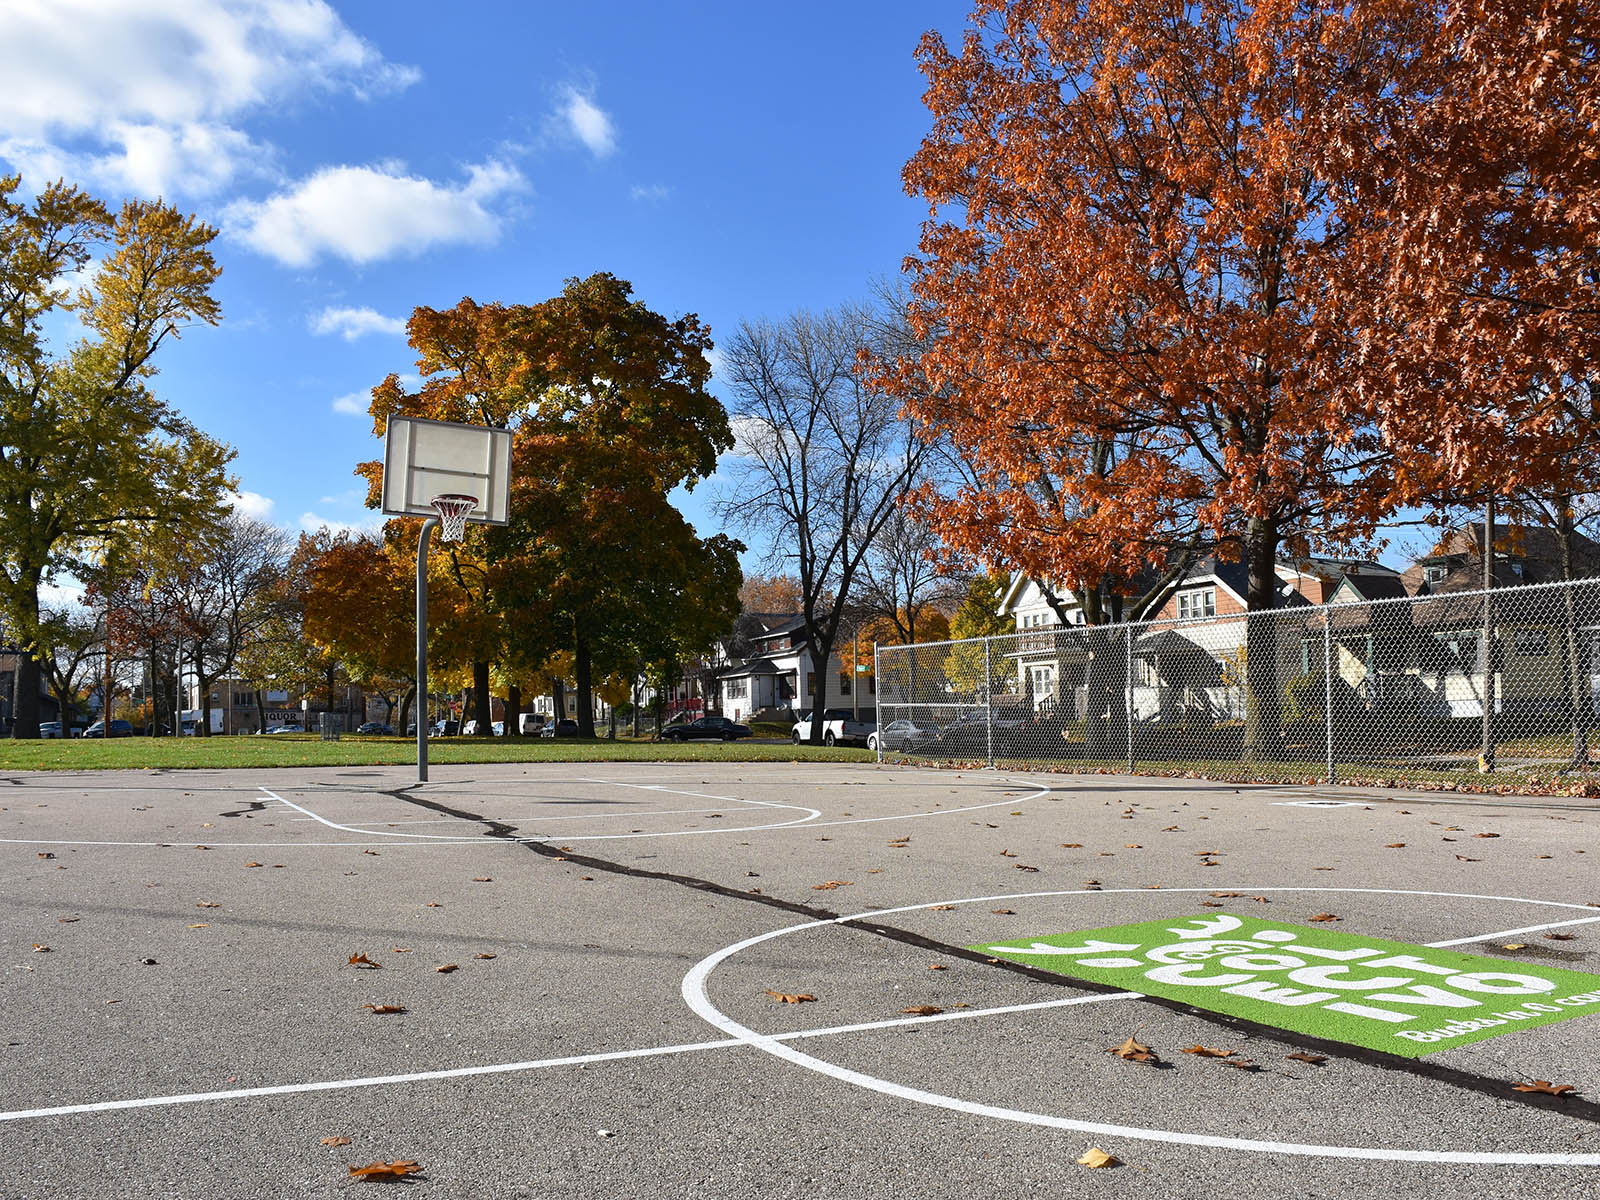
[(360, 959), (45, 854), (202, 925), (208, 904), (1316, 1060), (1559, 937), (1004, 912), (1394, 846), (1326, 917), (482, 879), (1007, 854), (1261, 900), (557, 858), (433, 904), (1072, 845), (1464, 858), (447, 968), (1227, 895), (1211, 904), (1544, 1087), (1241, 1064), (67, 920), (1485, 835), (485, 954), (336, 1141), (943, 908), (1025, 867), (402, 950), (374, 853), (252, 864), (1207, 1052), (1132, 846), (923, 1010), (830, 885), (40, 948), (1133, 1050), (792, 997), (384, 1009), (386, 1170), (1095, 1157), (937, 967)]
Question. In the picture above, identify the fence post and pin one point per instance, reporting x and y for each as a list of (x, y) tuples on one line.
[(1327, 684), (1127, 636), (988, 705), (877, 700)]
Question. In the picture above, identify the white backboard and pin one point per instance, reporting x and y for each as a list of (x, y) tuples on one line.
[(423, 459)]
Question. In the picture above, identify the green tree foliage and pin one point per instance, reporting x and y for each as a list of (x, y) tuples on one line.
[(87, 451)]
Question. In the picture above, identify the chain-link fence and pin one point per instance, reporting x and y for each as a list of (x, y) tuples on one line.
[(1496, 688)]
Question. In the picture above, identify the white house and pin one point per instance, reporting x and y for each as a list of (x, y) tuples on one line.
[(777, 675)]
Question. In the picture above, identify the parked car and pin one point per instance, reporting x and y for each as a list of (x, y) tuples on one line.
[(287, 727), (445, 729), (899, 735), (377, 728), (499, 728), (50, 729), (838, 725), (565, 727), (704, 729), (529, 724), (118, 729)]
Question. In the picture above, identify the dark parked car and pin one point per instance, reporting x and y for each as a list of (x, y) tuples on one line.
[(445, 729), (375, 727), (705, 729), (118, 729), (565, 727), (50, 729)]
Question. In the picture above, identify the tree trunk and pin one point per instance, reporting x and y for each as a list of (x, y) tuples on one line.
[(25, 699), (261, 711), (513, 710), (1263, 730), (819, 688), (481, 710), (405, 707), (580, 659), (203, 725)]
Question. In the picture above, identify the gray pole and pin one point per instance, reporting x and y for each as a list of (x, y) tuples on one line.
[(988, 704), (1327, 681), (422, 647), (1128, 698), (1486, 658), (877, 702)]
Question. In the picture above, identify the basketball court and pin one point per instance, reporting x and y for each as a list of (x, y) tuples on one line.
[(631, 945)]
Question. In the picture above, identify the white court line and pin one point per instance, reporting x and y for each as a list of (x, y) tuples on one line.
[(694, 995), (615, 816), (329, 1085), (1504, 933), (213, 845)]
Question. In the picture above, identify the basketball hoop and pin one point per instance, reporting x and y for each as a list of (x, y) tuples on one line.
[(453, 510)]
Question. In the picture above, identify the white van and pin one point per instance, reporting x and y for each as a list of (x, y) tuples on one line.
[(529, 724)]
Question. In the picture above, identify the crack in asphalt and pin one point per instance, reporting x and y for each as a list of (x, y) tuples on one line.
[(1455, 1077)]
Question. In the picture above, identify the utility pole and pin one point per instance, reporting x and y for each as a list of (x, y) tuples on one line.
[(1486, 759)]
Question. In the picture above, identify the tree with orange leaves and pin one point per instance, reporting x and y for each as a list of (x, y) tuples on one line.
[(1119, 295)]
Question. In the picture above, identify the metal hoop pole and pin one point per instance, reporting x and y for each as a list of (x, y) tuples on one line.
[(422, 648)]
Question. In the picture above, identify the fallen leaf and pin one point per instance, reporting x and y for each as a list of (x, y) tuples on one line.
[(1544, 1087), (382, 1009), (336, 1141), (587, 878), (923, 1010), (208, 904), (1316, 1060), (557, 858), (830, 885), (1207, 1052), (1004, 912), (1464, 858), (40, 948), (374, 853), (202, 925), (1261, 900), (386, 1170), (1096, 1157), (1394, 846), (943, 908), (45, 854), (792, 997), (1170, 829), (447, 968), (1007, 854), (1211, 904), (1485, 835), (1072, 845), (1514, 946), (433, 904), (1241, 1064), (1025, 867), (1132, 846), (1227, 895), (937, 967), (67, 920), (486, 954), (1326, 917), (252, 864), (1559, 937), (360, 959), (482, 879), (1133, 1050)]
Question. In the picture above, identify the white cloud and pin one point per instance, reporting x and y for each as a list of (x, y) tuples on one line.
[(310, 522), (650, 192), (354, 404), (149, 96), (252, 504), (589, 123), (363, 214), (351, 323)]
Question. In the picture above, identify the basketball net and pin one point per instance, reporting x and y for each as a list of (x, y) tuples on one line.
[(453, 510)]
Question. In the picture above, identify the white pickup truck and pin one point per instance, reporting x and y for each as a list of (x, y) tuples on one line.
[(838, 725)]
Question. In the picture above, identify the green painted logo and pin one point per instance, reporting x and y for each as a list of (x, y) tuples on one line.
[(1392, 996)]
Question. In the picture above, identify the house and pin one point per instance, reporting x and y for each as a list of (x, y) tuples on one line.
[(49, 709), (766, 668)]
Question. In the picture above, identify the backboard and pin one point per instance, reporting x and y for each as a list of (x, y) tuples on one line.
[(423, 459)]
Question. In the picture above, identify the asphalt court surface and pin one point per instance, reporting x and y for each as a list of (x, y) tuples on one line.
[(622, 934)]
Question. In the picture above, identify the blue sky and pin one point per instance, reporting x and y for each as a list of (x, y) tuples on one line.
[(734, 160)]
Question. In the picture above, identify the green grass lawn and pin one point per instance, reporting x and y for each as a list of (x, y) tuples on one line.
[(292, 750)]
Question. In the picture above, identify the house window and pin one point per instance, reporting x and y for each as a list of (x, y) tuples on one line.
[(1532, 643), (1043, 680), (844, 683), (811, 685), (243, 699), (1197, 604), (1434, 574)]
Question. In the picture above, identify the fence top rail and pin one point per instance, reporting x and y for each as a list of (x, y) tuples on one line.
[(1299, 611)]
